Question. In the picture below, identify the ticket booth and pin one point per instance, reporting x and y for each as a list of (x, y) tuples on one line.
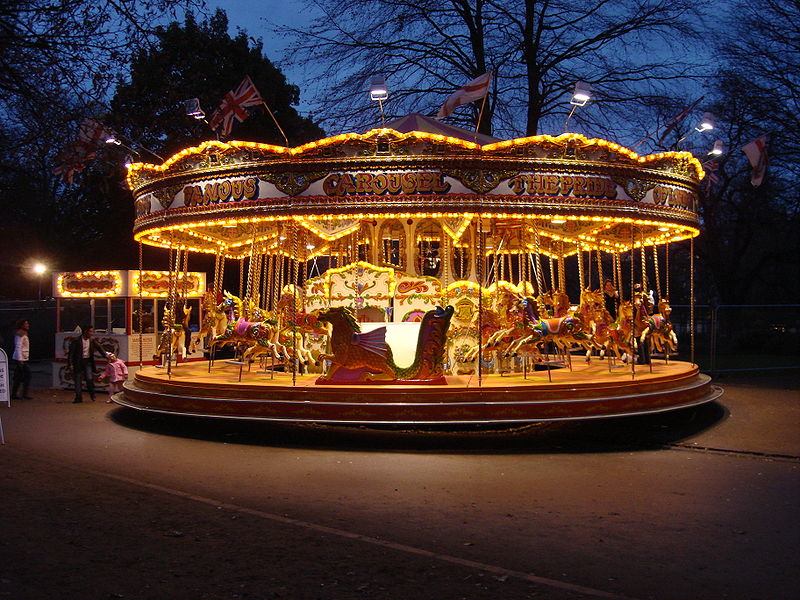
[(126, 314)]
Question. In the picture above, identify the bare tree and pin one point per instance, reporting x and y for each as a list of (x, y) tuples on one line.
[(762, 66), (630, 51), (68, 53)]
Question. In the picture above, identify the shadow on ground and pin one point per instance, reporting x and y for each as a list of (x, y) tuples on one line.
[(646, 432)]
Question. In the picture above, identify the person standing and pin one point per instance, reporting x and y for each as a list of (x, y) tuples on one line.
[(81, 358), (22, 371), (611, 298), (116, 372)]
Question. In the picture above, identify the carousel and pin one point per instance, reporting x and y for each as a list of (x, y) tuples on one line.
[(409, 277)]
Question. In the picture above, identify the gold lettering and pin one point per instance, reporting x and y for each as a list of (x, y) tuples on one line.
[(379, 183), (210, 195), (225, 190), (393, 183), (408, 183), (550, 184), (331, 185), (517, 184), (237, 189), (363, 181), (250, 188), (440, 185)]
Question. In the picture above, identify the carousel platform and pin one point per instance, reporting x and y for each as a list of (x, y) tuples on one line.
[(588, 391)]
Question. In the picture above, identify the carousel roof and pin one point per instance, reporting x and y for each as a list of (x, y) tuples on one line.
[(418, 122), (233, 197)]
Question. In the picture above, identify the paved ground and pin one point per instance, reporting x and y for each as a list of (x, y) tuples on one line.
[(102, 502)]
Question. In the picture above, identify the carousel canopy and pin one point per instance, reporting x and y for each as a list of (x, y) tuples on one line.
[(418, 122), (237, 198)]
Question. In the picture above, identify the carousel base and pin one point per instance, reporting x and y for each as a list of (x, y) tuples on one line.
[(588, 391)]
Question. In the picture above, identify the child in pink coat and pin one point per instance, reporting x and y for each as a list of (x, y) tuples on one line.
[(116, 372)]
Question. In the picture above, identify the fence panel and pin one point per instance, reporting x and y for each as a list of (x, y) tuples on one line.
[(736, 337)]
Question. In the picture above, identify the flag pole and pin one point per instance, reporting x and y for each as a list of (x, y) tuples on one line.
[(480, 116), (285, 139)]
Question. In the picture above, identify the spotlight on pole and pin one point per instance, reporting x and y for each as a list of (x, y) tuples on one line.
[(193, 109), (719, 148), (378, 92), (706, 123), (580, 96), (377, 89)]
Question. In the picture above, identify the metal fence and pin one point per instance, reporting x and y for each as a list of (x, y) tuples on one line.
[(740, 337)]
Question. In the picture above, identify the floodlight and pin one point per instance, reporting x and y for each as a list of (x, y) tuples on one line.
[(707, 122), (192, 108), (581, 94), (377, 89), (719, 148), (39, 268), (113, 140)]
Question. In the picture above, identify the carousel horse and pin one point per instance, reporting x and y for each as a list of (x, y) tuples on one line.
[(175, 336), (216, 318), (558, 300), (288, 342), (565, 331), (250, 333), (367, 357), (233, 306), (615, 336), (495, 331), (658, 329)]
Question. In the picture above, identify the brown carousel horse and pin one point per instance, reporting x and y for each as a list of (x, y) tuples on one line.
[(558, 300), (288, 342)]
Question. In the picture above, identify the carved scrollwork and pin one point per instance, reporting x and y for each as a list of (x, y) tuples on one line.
[(635, 188), (292, 183), (166, 195), (479, 180)]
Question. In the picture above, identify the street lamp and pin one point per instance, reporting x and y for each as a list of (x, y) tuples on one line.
[(39, 269)]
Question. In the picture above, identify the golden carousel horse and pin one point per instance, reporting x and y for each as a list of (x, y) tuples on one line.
[(615, 335), (216, 318), (564, 331), (176, 339), (658, 330)]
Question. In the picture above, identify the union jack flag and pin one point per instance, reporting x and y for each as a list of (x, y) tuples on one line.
[(712, 168), (235, 105), (74, 158)]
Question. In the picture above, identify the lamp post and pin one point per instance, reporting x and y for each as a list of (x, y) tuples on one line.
[(39, 269)]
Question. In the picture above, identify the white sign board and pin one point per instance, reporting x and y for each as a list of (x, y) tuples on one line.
[(5, 394)]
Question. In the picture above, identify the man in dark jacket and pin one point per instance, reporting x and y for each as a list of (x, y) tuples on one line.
[(81, 359)]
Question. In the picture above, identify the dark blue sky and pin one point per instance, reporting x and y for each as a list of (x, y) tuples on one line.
[(253, 17)]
